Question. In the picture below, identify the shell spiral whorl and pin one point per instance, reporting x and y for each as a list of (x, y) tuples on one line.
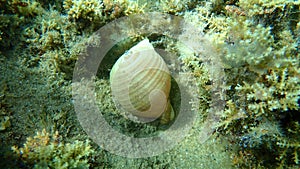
[(141, 82)]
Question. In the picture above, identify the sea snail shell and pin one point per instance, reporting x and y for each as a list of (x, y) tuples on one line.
[(140, 82)]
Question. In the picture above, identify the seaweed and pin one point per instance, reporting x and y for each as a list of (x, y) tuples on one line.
[(256, 42), (49, 151)]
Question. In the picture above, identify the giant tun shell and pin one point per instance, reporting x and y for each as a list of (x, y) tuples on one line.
[(140, 82)]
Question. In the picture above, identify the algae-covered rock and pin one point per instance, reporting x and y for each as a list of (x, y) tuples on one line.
[(255, 41), (49, 151)]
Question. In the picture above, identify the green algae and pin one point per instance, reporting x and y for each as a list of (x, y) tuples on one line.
[(257, 42)]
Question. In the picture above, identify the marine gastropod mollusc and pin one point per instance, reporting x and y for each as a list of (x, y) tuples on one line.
[(140, 82)]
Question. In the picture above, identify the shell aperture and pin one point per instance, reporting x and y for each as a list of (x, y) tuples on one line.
[(140, 82)]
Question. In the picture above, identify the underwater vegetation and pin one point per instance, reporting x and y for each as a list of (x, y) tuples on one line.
[(45, 151), (261, 59), (256, 42)]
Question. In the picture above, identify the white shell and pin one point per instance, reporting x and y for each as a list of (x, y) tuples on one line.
[(140, 82)]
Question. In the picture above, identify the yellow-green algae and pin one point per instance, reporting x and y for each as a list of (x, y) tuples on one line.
[(257, 41), (49, 151)]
